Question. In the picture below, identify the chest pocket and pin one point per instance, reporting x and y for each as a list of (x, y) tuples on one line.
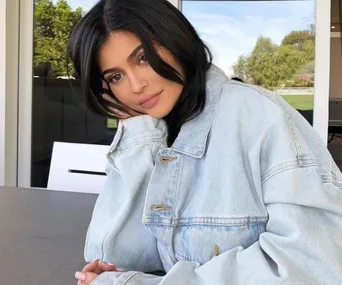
[(201, 242)]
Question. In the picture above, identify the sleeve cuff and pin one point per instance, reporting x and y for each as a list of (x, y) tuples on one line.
[(114, 278), (137, 130)]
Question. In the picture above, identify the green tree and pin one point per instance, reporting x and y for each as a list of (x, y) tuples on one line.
[(298, 39), (308, 68), (269, 65), (309, 50), (287, 61), (261, 62), (53, 24), (241, 69), (43, 16), (257, 67)]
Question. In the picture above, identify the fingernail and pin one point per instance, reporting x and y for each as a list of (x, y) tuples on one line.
[(80, 276), (96, 260), (119, 269), (106, 263)]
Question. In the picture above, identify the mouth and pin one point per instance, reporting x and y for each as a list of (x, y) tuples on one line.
[(150, 101)]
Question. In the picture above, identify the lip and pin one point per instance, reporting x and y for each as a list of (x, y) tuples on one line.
[(150, 101)]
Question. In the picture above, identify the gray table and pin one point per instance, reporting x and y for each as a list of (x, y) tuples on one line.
[(42, 235)]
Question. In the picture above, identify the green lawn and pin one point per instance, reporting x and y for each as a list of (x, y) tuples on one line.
[(302, 102)]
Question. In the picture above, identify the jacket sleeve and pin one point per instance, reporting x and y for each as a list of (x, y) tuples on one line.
[(116, 233), (302, 244)]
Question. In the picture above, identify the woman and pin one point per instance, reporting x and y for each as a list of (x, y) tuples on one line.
[(208, 179)]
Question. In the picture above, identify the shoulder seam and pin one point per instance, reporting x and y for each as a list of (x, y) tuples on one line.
[(264, 92)]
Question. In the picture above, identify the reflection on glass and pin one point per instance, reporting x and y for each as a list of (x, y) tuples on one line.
[(335, 128), (335, 96), (266, 43), (59, 112)]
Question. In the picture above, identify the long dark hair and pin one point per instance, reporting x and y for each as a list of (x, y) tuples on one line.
[(152, 21)]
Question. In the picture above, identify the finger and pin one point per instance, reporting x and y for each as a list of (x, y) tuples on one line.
[(119, 114), (123, 115), (134, 113), (108, 98), (86, 277), (91, 266), (103, 266), (109, 267)]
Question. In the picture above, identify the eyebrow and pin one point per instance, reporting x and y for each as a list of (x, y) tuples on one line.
[(130, 57)]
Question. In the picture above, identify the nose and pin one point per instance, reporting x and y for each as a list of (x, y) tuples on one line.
[(138, 83)]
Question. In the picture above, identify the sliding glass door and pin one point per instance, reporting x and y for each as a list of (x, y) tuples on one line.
[(51, 105)]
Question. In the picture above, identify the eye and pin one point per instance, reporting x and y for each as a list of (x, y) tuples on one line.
[(143, 59), (115, 78)]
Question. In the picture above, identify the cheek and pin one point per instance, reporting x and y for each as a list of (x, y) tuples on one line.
[(122, 94), (176, 90), (153, 78)]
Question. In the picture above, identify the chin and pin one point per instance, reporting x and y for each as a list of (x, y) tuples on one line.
[(156, 116), (159, 114)]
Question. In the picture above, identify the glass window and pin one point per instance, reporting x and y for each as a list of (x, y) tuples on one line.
[(59, 111), (266, 43), (335, 96)]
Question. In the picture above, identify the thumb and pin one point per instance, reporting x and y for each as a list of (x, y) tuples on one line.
[(86, 277)]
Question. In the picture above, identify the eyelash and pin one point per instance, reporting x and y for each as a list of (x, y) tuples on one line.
[(110, 79), (143, 56)]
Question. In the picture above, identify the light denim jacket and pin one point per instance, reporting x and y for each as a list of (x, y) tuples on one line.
[(247, 194)]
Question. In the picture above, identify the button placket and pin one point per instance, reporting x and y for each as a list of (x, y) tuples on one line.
[(160, 207)]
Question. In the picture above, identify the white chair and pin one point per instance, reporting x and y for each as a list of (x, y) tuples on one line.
[(77, 167)]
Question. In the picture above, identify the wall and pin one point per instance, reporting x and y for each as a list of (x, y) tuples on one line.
[(9, 44), (2, 89)]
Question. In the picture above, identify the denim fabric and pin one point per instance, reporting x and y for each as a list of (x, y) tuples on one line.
[(247, 194)]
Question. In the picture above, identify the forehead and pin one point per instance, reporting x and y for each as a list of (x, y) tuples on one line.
[(116, 49)]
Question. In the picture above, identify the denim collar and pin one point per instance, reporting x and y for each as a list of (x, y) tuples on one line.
[(192, 138)]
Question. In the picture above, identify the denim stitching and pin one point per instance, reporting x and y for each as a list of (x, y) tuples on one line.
[(306, 162), (210, 221), (267, 94)]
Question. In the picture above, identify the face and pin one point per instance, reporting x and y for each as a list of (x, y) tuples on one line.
[(135, 84)]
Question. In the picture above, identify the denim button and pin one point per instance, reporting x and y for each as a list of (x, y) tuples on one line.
[(159, 207), (165, 159)]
